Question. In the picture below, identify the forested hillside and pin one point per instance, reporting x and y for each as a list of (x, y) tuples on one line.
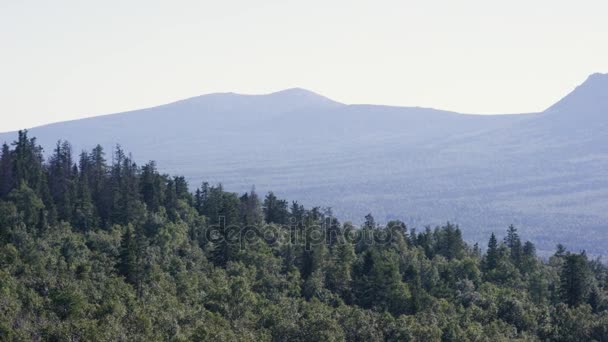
[(96, 248), (543, 172)]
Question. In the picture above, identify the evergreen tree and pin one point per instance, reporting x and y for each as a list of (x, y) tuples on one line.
[(181, 189), (370, 223), (514, 244), (128, 258), (492, 254), (84, 214), (28, 204), (27, 163), (340, 276), (528, 259), (378, 283), (575, 279), (560, 251), (62, 180), (6, 171), (275, 210), (131, 260), (100, 184), (151, 187), (251, 210), (448, 242), (297, 212), (227, 244)]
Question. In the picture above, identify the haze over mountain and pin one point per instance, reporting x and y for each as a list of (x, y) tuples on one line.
[(544, 172)]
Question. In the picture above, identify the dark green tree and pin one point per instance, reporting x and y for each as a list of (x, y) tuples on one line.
[(513, 242), (492, 254), (275, 210), (6, 171), (62, 184), (575, 279)]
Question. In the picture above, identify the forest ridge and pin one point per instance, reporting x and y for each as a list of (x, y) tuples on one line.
[(110, 251)]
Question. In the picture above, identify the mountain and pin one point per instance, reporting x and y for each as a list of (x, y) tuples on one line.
[(589, 98), (544, 172)]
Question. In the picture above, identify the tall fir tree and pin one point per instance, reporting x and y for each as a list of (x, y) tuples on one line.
[(513, 242), (575, 279), (492, 254), (6, 171)]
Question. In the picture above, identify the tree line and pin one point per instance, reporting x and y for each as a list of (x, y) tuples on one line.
[(100, 250)]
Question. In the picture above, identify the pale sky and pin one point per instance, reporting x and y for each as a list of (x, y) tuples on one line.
[(63, 60)]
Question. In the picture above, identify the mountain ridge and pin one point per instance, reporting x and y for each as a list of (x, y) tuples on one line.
[(302, 98), (482, 171)]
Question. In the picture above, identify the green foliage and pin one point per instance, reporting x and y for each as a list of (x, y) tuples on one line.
[(28, 204), (575, 279), (118, 252)]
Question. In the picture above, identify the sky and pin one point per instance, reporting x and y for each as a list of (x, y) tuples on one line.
[(62, 60)]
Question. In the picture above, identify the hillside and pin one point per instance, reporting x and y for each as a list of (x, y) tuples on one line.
[(544, 172), (119, 252)]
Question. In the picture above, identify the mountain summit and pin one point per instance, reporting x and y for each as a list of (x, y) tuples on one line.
[(302, 97), (278, 102), (591, 97)]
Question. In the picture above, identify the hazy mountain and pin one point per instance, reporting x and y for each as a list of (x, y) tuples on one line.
[(544, 172)]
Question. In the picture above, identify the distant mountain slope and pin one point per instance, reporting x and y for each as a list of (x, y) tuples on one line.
[(591, 97), (545, 172)]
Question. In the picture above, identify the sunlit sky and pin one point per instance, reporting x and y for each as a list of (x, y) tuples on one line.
[(63, 60)]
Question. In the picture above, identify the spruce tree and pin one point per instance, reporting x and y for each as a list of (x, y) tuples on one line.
[(251, 209), (575, 279), (275, 210), (514, 244), (6, 171), (493, 254)]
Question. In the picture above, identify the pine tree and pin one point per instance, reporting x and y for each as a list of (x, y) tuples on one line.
[(275, 210), (131, 257), (151, 187), (560, 251), (595, 299), (171, 198), (84, 214), (27, 163), (125, 197), (538, 288), (448, 242), (378, 284), (198, 200), (528, 259), (514, 244), (251, 209), (477, 250), (181, 189), (297, 212), (492, 255), (6, 171), (62, 180), (100, 185), (127, 258), (575, 279), (226, 245), (28, 204), (340, 277)]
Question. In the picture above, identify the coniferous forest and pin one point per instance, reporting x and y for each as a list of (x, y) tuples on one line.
[(96, 248)]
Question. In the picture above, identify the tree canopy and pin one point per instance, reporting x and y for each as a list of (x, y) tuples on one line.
[(102, 250)]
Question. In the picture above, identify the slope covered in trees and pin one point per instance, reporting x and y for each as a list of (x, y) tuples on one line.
[(544, 172), (92, 249)]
